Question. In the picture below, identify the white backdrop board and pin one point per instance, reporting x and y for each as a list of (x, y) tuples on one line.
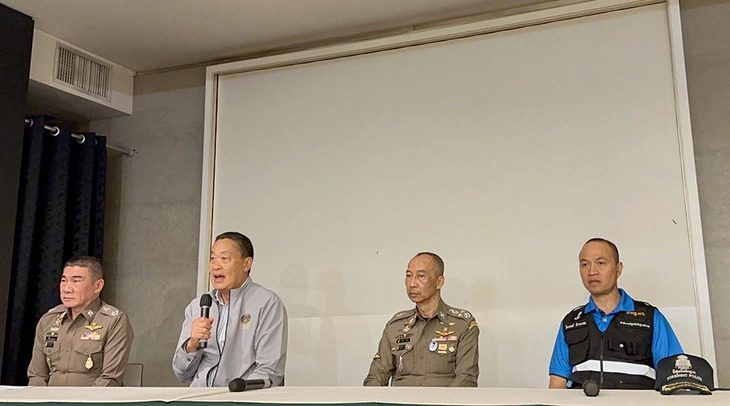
[(501, 152)]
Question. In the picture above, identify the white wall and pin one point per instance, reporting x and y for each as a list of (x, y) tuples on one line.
[(502, 152)]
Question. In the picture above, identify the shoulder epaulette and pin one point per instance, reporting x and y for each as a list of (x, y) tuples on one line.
[(460, 313), (109, 310), (401, 315), (58, 309)]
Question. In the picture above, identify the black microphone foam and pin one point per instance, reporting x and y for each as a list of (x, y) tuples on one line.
[(205, 302), (240, 384), (591, 388)]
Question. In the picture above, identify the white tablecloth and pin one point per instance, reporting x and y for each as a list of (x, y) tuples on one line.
[(355, 395)]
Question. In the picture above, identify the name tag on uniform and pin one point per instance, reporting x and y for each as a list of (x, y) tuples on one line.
[(50, 340)]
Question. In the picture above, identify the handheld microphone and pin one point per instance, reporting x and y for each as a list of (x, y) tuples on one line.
[(591, 388), (205, 302), (240, 384)]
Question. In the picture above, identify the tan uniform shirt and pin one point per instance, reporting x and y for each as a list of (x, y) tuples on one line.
[(90, 351), (441, 351)]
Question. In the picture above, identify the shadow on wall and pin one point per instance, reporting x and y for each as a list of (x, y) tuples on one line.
[(333, 303), (313, 329), (295, 292)]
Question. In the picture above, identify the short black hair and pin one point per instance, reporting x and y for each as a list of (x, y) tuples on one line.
[(93, 264), (243, 242), (436, 260), (610, 244)]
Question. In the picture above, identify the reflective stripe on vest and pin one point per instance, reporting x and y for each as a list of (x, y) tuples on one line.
[(616, 367)]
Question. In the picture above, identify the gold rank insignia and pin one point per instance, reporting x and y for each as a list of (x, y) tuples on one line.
[(376, 356), (93, 327), (445, 332), (472, 324), (636, 314)]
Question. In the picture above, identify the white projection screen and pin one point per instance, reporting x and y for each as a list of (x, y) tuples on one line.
[(502, 152)]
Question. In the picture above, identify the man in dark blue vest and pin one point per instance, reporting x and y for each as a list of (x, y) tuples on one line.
[(612, 339)]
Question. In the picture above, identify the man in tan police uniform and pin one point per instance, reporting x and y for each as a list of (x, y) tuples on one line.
[(84, 341), (433, 344)]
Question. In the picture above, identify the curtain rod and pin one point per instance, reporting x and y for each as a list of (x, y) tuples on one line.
[(81, 138)]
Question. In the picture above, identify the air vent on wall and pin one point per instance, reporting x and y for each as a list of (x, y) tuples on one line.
[(82, 72)]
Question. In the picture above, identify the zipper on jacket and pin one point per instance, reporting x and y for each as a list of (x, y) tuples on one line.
[(220, 350), (600, 381)]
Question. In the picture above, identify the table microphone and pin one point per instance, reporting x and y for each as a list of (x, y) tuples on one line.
[(591, 388), (205, 302), (240, 384)]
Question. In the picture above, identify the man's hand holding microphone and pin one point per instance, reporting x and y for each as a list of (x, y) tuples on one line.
[(200, 329)]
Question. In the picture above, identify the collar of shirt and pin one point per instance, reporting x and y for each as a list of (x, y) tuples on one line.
[(442, 312), (222, 327), (625, 304), (235, 293), (89, 312)]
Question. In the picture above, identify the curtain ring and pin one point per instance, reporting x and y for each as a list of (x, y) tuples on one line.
[(55, 131), (29, 122), (81, 141)]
